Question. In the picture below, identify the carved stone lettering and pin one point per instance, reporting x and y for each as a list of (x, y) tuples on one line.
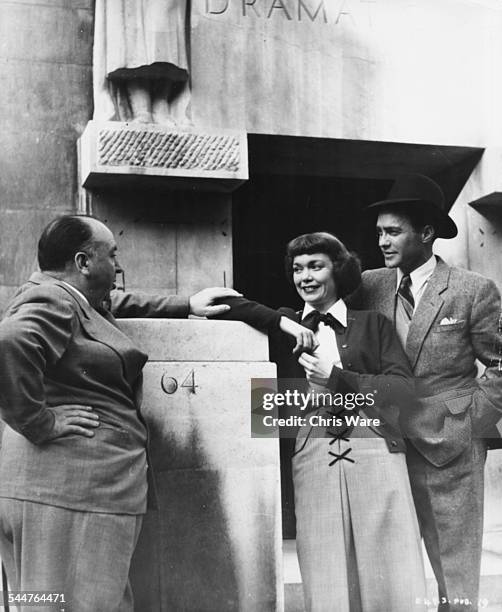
[(327, 12), (250, 4), (216, 7), (278, 4), (312, 15), (343, 12)]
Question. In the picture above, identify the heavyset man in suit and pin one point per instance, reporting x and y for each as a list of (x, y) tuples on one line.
[(446, 318), (73, 460)]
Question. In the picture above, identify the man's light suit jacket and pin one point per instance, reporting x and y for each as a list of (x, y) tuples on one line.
[(454, 324), (56, 349)]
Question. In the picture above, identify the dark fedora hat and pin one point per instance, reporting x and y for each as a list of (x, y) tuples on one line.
[(422, 192)]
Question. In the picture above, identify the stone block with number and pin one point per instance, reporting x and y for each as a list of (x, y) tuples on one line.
[(214, 543)]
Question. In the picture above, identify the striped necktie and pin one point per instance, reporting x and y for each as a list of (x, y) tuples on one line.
[(406, 297)]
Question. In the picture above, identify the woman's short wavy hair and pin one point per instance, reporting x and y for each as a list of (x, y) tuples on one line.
[(346, 265)]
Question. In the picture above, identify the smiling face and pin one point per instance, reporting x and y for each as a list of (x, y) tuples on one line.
[(403, 246), (313, 279)]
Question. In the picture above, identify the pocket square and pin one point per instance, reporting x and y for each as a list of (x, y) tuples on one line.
[(450, 321)]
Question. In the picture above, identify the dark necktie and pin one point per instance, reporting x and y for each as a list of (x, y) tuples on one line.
[(406, 297), (312, 320)]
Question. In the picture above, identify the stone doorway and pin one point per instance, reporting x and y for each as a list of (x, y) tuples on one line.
[(298, 185)]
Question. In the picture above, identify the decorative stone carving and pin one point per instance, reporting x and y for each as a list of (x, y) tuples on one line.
[(111, 149)]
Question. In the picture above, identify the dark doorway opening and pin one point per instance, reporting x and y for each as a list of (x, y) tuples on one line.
[(269, 211)]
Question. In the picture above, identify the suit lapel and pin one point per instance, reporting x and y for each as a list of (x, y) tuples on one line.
[(345, 341), (387, 295), (98, 326), (342, 337), (427, 311), (296, 368)]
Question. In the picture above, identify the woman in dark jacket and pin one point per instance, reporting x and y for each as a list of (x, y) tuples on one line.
[(357, 533)]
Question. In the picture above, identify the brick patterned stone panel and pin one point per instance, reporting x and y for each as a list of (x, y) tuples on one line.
[(181, 150)]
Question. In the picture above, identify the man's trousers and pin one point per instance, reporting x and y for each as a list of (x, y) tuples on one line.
[(83, 555)]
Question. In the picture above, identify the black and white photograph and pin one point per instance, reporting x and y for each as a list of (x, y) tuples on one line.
[(250, 309)]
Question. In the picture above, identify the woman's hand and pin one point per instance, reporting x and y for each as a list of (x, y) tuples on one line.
[(73, 419), (305, 338), (313, 369)]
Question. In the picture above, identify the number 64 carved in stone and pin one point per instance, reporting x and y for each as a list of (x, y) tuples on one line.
[(170, 384)]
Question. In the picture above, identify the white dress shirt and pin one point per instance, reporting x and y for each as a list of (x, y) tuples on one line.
[(327, 352), (75, 290), (419, 278)]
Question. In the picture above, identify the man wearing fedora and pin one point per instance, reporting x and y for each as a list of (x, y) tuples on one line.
[(446, 318)]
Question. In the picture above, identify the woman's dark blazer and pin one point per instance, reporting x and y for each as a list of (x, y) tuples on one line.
[(372, 358)]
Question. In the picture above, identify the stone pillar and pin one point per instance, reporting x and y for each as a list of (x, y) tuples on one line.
[(165, 194), (214, 543), (45, 102)]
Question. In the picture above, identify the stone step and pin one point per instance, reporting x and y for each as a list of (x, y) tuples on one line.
[(490, 595), (490, 584)]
